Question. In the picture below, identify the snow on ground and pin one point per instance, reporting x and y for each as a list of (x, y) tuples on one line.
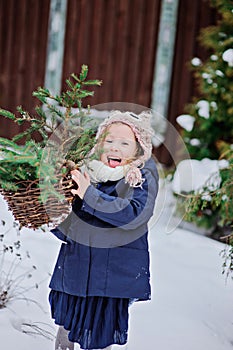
[(191, 306)]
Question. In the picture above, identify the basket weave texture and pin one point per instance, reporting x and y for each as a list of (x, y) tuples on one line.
[(30, 211)]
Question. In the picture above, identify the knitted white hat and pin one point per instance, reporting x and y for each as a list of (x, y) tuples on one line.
[(140, 125)]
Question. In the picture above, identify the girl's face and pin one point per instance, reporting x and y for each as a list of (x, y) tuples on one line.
[(119, 145)]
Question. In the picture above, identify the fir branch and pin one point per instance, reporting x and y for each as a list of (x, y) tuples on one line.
[(41, 94), (93, 82), (65, 135), (7, 114)]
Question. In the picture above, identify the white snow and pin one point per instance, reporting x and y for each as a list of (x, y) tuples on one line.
[(223, 164), (186, 121), (214, 57), (227, 56), (191, 305), (193, 175), (203, 109), (195, 142), (206, 75), (214, 105), (219, 73), (196, 62)]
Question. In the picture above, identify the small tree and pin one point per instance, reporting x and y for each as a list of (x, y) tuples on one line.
[(213, 109), (208, 126)]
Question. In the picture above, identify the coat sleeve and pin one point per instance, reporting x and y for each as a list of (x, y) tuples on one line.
[(127, 213), (56, 232)]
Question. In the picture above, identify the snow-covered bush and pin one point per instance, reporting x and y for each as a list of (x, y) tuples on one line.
[(209, 118), (193, 175), (204, 191), (207, 129)]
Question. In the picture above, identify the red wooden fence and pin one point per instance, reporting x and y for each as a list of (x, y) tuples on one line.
[(23, 41), (117, 39)]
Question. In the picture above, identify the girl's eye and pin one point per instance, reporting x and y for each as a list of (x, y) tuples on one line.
[(108, 141), (125, 143)]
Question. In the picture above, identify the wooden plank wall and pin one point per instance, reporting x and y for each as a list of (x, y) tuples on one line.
[(117, 39), (23, 42), (192, 16)]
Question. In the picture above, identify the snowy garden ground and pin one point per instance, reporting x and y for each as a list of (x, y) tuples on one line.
[(192, 302)]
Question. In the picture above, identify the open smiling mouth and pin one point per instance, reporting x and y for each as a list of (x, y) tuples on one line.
[(113, 162)]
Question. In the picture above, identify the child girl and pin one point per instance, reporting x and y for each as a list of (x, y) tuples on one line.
[(103, 264)]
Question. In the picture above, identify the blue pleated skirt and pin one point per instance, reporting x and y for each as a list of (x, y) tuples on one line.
[(94, 322)]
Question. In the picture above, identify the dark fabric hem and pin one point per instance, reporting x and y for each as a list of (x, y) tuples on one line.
[(92, 322)]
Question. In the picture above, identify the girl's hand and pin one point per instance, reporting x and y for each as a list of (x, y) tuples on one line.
[(83, 182)]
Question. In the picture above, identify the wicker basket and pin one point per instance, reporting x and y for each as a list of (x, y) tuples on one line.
[(30, 212)]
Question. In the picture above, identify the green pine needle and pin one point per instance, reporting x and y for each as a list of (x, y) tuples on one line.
[(73, 141)]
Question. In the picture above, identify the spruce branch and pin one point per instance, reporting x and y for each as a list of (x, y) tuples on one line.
[(7, 114), (64, 126)]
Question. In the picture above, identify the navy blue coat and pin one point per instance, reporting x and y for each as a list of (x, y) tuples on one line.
[(105, 247)]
